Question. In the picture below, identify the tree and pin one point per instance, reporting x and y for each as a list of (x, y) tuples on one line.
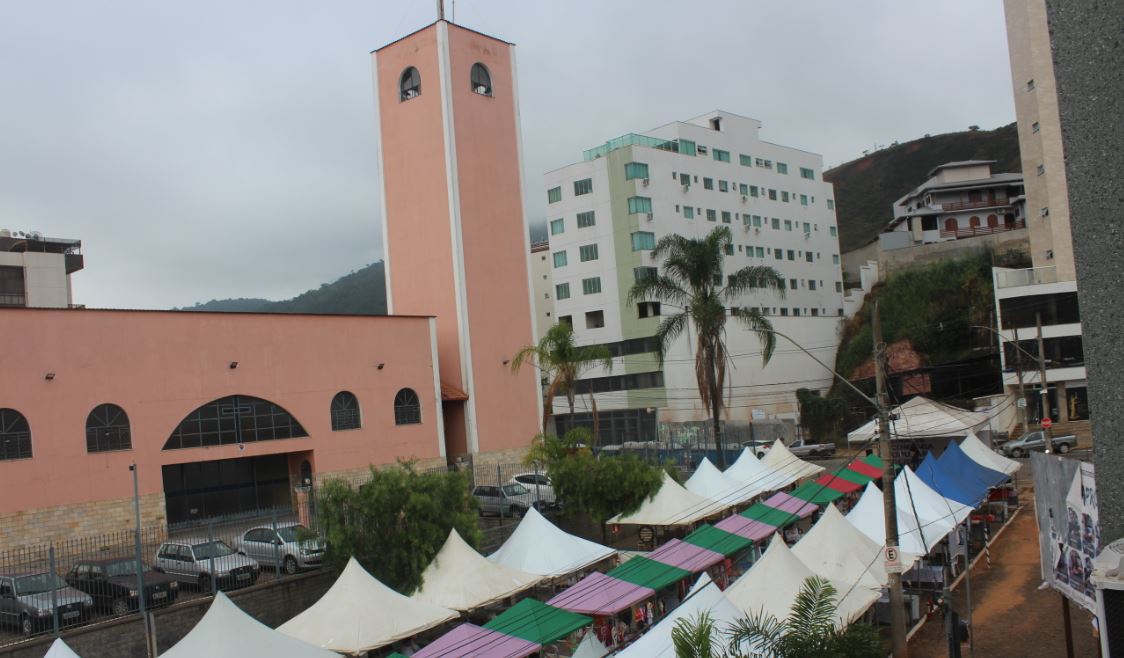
[(691, 281), (395, 523), (819, 416), (809, 631), (600, 487), (563, 363)]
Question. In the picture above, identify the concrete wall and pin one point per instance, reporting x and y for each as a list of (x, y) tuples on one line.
[(897, 259), (271, 602), (44, 277)]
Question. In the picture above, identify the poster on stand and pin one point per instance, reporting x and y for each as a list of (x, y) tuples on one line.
[(1069, 530)]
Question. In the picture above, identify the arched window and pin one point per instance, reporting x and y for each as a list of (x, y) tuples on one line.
[(974, 222), (481, 80), (345, 412), (410, 84), (15, 435), (234, 419), (407, 408), (107, 428)]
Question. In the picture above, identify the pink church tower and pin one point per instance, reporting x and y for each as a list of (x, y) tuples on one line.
[(453, 225)]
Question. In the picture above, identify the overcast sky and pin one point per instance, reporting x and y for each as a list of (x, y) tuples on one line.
[(207, 150)]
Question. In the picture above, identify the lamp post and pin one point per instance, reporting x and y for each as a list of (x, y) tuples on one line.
[(140, 562)]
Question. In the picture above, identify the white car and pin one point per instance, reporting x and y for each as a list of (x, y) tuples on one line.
[(540, 487)]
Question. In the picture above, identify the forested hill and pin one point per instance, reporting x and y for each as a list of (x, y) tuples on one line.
[(363, 292), (866, 188)]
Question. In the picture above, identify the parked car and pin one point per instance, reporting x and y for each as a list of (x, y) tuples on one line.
[(112, 583), (512, 499), (540, 487), (201, 561), (1036, 440), (291, 547), (759, 448), (28, 601), (802, 448)]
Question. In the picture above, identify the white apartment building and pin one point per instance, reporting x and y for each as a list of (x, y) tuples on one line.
[(605, 215), (1048, 290), (35, 271)]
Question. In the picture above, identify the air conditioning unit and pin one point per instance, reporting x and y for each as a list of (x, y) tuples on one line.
[(686, 186), (756, 229), (649, 217), (744, 198), (807, 236), (644, 182)]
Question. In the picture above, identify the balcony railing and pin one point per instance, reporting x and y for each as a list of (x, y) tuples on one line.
[(973, 231), (968, 205), (1030, 276)]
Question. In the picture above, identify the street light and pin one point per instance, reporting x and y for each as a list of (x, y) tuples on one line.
[(149, 645)]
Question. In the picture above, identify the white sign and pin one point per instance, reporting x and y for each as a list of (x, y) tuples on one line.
[(893, 559), (758, 414)]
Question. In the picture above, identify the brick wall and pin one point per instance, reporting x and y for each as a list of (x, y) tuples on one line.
[(55, 524), (270, 601)]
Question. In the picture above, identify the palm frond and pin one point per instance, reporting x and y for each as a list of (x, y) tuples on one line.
[(749, 279), (670, 328), (813, 611), (693, 637), (753, 320), (757, 634)]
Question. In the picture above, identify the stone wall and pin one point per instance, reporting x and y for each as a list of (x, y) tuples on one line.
[(271, 602), (508, 456), (897, 259), (66, 522)]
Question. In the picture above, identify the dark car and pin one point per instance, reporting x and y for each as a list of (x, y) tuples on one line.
[(28, 602), (113, 584)]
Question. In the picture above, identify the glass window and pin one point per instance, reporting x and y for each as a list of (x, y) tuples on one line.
[(782, 168), (834, 231), (641, 274), (830, 204), (838, 286), (807, 227), (725, 217), (794, 283), (745, 160), (560, 259), (633, 170), (779, 254), (792, 254), (591, 286), (776, 223), (760, 252), (711, 215), (686, 147), (689, 212), (639, 205), (409, 85), (835, 259), (721, 156), (803, 199), (757, 221), (772, 195), (587, 252), (807, 173), (708, 183), (685, 180), (345, 412), (481, 80), (15, 435), (233, 420), (723, 186), (729, 250), (743, 189), (784, 196), (642, 240), (808, 256), (788, 224), (557, 226), (586, 219), (700, 149), (107, 428), (407, 408), (753, 190), (562, 291), (12, 291), (554, 195), (583, 186)]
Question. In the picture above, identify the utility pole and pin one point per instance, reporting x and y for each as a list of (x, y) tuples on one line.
[(148, 640), (1047, 432), (897, 601), (440, 10), (1020, 405)]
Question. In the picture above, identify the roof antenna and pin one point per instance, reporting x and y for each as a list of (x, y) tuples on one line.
[(440, 10)]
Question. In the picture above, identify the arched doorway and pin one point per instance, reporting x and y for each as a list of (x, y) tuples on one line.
[(974, 222), (992, 221), (950, 226)]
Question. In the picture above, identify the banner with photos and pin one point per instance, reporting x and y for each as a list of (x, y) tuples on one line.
[(1069, 530)]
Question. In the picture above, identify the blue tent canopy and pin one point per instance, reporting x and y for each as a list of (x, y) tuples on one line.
[(947, 484), (955, 460)]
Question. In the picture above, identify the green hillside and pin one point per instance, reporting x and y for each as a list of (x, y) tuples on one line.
[(866, 188), (362, 292)]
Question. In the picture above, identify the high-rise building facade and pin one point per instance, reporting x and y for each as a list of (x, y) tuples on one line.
[(605, 215), (1046, 292), (454, 226)]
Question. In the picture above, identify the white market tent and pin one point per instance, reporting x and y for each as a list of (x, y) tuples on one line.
[(358, 614), (913, 494), (922, 418), (59, 649), (772, 583), (709, 482), (705, 597), (757, 478), (837, 550), (672, 505), (539, 547), (780, 459), (986, 457), (591, 647), (459, 578), (225, 631), (869, 517)]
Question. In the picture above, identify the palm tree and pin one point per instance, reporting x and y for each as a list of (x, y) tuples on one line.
[(691, 281), (809, 631), (562, 364)]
